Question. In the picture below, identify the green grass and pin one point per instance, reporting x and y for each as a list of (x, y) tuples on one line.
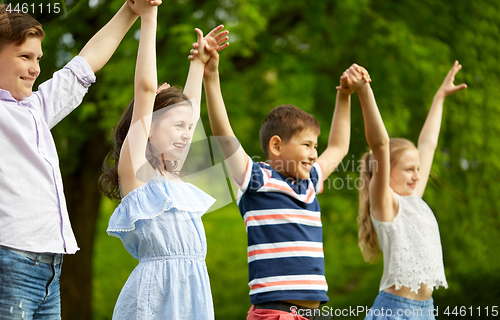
[(112, 265), (351, 281)]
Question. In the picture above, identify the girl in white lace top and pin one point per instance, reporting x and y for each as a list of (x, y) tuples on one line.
[(393, 218)]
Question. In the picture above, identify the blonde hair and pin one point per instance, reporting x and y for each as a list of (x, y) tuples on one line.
[(368, 241)]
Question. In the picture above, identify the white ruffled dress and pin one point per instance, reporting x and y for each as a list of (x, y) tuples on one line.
[(160, 225)]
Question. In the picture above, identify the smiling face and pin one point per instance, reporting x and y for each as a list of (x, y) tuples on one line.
[(20, 67), (405, 173), (297, 156), (173, 131)]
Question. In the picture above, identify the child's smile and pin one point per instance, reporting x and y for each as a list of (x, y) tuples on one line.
[(174, 132), (405, 175), (20, 67), (298, 155)]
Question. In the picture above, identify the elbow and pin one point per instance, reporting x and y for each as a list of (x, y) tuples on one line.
[(380, 143), (428, 145), (344, 151), (146, 86)]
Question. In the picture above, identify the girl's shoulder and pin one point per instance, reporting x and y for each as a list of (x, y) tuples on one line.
[(413, 202), (183, 194), (156, 197)]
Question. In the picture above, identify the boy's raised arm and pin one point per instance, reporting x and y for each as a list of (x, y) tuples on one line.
[(103, 44), (233, 152), (192, 89), (340, 131)]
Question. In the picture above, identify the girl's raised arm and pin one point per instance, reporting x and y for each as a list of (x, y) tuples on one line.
[(383, 202), (132, 155), (199, 57), (428, 139)]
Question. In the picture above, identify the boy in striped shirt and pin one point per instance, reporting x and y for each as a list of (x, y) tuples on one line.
[(278, 200)]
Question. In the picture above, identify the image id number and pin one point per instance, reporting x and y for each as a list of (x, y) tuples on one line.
[(34, 8)]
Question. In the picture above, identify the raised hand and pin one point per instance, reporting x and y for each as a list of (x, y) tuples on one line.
[(353, 79), (143, 7), (199, 48), (448, 88)]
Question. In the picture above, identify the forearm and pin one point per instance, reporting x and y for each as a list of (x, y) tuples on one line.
[(103, 44), (219, 121), (232, 151), (340, 130), (145, 73), (132, 155), (430, 132), (194, 80), (376, 133)]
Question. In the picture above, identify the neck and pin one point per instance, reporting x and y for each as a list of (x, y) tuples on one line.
[(279, 166)]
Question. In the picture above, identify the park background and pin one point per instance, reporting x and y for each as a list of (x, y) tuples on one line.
[(294, 51)]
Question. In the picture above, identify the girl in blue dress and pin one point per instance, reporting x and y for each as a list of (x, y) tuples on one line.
[(159, 217), (393, 218)]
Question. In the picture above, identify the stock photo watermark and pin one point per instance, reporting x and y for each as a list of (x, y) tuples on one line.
[(332, 182), (42, 10), (172, 136), (326, 312)]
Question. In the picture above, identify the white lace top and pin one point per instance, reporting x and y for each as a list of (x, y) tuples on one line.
[(411, 247)]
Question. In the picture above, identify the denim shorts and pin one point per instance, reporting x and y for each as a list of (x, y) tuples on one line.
[(29, 285), (388, 306)]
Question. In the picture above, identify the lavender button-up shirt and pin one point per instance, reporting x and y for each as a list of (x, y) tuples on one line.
[(33, 213)]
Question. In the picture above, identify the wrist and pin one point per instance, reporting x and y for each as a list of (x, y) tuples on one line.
[(439, 95), (197, 63), (344, 94), (364, 88), (211, 75), (130, 13), (149, 17)]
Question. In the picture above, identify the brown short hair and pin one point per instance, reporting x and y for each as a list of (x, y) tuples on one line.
[(284, 121), (17, 27)]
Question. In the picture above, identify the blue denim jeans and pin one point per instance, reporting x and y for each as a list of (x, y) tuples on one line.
[(391, 307), (29, 286)]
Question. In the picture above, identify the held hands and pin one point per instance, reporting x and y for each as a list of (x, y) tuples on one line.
[(144, 7), (353, 79), (448, 88), (206, 50)]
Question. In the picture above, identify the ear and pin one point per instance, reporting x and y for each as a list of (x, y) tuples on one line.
[(275, 146)]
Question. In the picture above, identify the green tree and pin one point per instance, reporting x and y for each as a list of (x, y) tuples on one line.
[(294, 52)]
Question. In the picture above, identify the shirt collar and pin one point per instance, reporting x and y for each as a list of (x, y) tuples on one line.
[(294, 183), (5, 95)]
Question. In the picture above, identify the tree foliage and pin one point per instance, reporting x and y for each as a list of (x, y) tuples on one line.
[(294, 52)]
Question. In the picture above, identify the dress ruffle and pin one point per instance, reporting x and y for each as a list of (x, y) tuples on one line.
[(158, 196)]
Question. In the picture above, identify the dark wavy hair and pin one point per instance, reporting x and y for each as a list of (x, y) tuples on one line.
[(108, 181)]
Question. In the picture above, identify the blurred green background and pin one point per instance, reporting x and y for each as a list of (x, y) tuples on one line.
[(294, 52)]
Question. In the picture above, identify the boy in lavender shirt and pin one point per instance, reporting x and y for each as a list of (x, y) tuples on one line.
[(34, 225)]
